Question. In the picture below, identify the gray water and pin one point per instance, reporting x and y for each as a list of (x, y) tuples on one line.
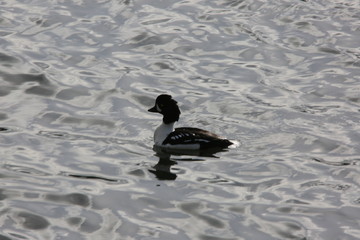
[(281, 77)]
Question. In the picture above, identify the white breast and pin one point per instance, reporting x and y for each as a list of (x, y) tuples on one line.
[(162, 132)]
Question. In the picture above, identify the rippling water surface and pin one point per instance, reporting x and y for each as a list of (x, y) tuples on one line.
[(281, 77)]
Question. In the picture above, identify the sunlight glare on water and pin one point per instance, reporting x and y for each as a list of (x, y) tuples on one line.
[(279, 77)]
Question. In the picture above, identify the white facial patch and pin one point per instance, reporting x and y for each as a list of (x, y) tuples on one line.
[(158, 108)]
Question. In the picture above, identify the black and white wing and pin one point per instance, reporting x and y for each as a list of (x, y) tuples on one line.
[(196, 136)]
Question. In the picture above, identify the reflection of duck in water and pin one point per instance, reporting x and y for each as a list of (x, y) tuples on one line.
[(162, 169), (182, 139)]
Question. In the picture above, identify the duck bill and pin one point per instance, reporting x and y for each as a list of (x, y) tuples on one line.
[(153, 109)]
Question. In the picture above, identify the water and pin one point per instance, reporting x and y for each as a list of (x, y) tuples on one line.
[(281, 77)]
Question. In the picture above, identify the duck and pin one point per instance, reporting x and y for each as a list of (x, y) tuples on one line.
[(183, 138)]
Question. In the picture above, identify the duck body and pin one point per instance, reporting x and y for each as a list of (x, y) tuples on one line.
[(184, 138)]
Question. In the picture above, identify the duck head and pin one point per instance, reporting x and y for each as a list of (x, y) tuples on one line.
[(167, 106)]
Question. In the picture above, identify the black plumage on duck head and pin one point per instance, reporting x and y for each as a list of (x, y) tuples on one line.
[(171, 112), (168, 107)]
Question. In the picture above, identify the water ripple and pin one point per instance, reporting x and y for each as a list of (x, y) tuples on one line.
[(281, 77)]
